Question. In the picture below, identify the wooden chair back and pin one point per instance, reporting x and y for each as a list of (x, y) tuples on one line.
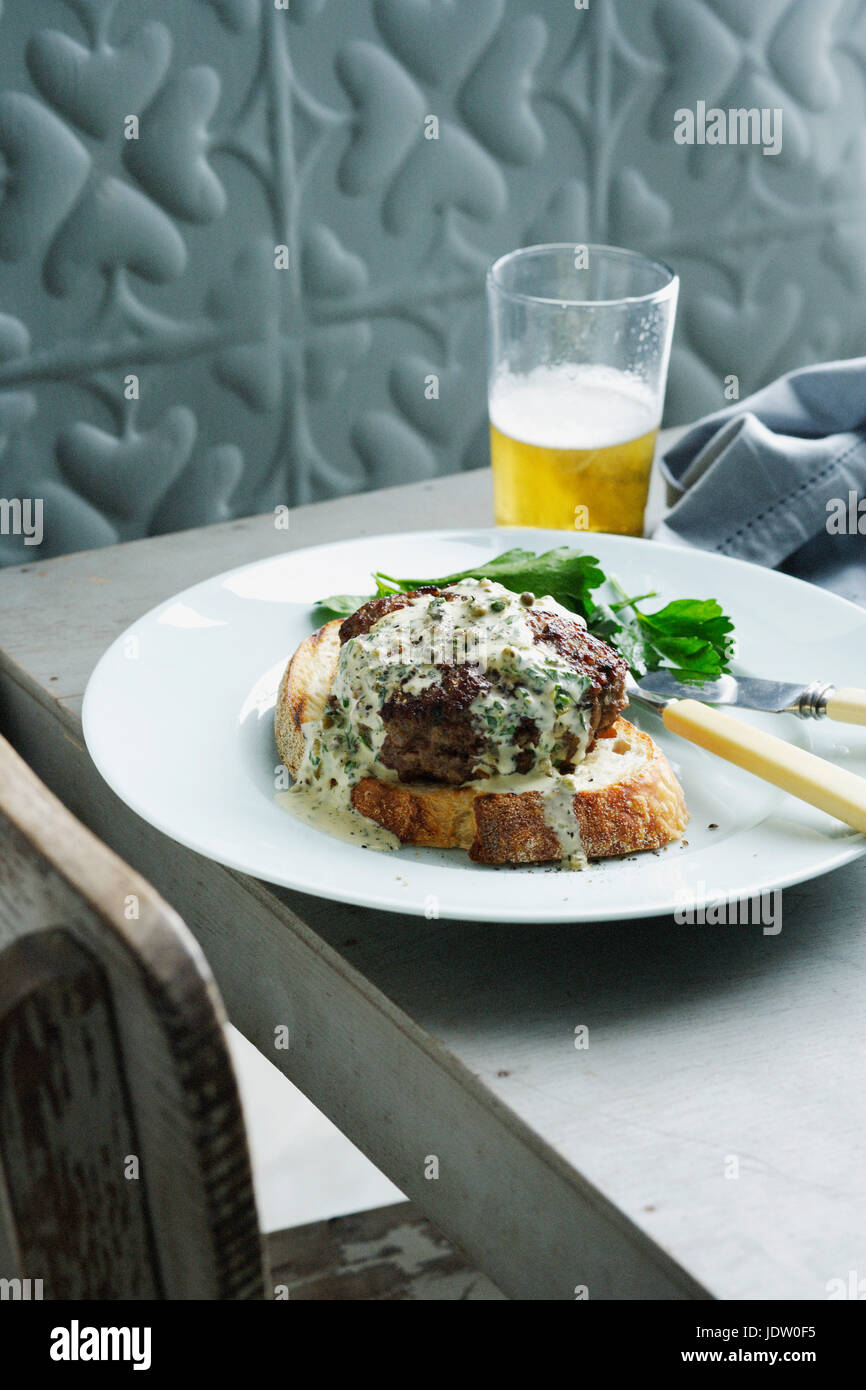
[(124, 1166)]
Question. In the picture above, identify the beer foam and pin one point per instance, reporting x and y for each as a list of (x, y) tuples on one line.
[(572, 407)]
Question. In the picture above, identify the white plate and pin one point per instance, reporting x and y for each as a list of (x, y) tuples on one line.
[(178, 717)]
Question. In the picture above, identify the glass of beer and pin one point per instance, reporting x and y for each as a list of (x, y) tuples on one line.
[(580, 338)]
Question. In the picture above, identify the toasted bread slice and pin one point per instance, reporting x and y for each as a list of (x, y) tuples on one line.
[(304, 690), (628, 798)]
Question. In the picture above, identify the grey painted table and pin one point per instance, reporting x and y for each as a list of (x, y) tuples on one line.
[(709, 1140)]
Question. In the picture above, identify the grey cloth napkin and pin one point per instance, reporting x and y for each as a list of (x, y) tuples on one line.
[(778, 478)]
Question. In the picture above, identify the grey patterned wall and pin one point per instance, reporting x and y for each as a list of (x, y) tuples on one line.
[(307, 126)]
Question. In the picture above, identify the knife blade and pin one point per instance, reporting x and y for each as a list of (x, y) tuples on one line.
[(778, 697)]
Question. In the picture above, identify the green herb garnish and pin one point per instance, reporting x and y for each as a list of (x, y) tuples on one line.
[(690, 637)]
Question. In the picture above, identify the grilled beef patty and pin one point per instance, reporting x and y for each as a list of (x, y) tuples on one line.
[(432, 734)]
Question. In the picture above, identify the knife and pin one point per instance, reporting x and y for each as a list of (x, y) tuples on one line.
[(819, 700), (823, 784)]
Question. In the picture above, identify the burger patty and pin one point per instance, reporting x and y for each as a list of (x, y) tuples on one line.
[(370, 613), (604, 668), (431, 734)]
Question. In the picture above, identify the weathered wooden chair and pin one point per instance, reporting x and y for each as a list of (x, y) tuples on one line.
[(124, 1166)]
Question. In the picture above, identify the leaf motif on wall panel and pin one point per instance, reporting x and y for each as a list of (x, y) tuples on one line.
[(288, 256)]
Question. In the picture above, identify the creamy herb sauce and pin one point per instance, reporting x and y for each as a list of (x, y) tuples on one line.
[(483, 625), (335, 818)]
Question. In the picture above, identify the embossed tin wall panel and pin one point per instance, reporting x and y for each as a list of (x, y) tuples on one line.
[(311, 129)]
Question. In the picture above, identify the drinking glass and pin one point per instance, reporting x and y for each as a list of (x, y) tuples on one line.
[(580, 340)]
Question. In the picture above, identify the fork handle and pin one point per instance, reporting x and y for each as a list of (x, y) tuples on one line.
[(832, 789), (847, 705)]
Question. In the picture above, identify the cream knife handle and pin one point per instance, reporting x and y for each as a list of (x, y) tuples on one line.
[(847, 705), (833, 789)]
